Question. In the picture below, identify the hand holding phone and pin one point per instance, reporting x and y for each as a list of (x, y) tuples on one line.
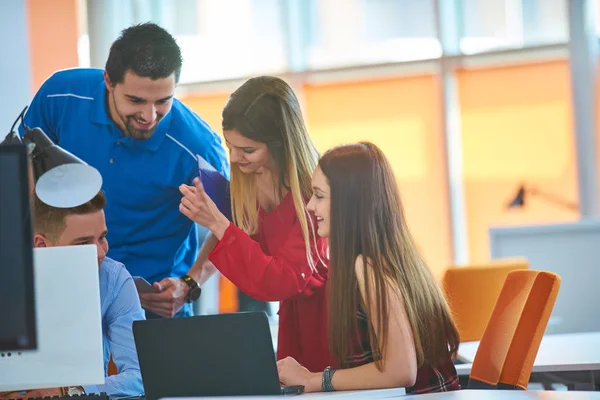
[(143, 286)]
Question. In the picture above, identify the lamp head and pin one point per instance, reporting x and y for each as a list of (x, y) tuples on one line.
[(62, 180), (519, 199)]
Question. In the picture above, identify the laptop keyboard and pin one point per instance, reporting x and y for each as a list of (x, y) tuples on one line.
[(101, 396)]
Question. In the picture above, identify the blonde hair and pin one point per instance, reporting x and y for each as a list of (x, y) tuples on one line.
[(266, 110)]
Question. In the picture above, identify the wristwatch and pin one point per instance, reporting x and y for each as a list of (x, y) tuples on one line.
[(73, 391), (195, 289)]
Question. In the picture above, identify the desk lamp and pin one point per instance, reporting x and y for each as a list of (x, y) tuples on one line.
[(62, 180), (520, 197)]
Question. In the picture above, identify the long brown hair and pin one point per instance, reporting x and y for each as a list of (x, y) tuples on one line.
[(367, 219), (266, 110)]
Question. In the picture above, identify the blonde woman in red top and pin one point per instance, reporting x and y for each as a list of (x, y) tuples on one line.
[(270, 251)]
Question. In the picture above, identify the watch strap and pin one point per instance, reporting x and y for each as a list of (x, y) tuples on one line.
[(326, 385), (192, 284), (189, 281)]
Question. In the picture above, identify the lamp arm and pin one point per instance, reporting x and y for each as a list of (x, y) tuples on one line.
[(20, 117), (555, 199), (12, 137)]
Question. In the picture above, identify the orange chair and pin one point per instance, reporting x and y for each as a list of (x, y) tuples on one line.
[(511, 340), (112, 368), (472, 292)]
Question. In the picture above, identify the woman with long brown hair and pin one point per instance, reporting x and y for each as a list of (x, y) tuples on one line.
[(270, 250), (389, 324)]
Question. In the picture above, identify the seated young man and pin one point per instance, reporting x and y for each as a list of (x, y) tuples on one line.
[(120, 304)]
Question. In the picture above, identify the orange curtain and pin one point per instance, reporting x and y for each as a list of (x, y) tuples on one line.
[(52, 38), (516, 127), (400, 116)]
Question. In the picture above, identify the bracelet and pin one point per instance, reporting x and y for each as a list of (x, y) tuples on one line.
[(326, 385)]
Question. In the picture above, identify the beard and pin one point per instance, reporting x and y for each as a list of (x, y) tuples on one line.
[(139, 134), (131, 130)]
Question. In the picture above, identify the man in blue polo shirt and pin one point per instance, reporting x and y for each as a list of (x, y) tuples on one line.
[(125, 122)]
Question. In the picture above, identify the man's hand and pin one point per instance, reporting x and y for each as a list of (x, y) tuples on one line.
[(172, 295), (12, 395), (25, 394)]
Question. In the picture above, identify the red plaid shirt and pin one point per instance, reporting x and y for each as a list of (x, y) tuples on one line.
[(442, 378)]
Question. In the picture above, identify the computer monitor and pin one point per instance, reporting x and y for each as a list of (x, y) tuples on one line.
[(17, 307), (69, 324), (569, 249)]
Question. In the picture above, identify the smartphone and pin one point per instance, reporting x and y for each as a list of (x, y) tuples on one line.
[(292, 390), (143, 286)]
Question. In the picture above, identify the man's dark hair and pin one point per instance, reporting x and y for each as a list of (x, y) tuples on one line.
[(147, 50)]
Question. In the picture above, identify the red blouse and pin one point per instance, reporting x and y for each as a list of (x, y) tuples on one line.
[(272, 266)]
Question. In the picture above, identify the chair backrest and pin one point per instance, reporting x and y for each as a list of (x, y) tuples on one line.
[(511, 340), (472, 292), (112, 367)]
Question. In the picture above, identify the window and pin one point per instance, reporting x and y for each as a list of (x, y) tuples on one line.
[(516, 129), (223, 39), (219, 39), (596, 11), (497, 24), (355, 32)]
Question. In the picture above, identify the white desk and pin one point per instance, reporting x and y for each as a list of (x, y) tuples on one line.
[(558, 353), (354, 395), (510, 395)]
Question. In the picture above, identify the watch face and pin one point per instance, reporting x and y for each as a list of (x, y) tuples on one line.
[(194, 293), (75, 391)]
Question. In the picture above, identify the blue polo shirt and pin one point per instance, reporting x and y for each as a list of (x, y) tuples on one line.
[(141, 178)]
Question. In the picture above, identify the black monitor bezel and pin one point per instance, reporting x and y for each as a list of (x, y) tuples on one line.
[(30, 320)]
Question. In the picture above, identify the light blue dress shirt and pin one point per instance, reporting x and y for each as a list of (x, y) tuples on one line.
[(120, 306)]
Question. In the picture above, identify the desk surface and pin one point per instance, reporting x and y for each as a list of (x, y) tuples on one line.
[(456, 395), (557, 353), (511, 394), (354, 395)]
